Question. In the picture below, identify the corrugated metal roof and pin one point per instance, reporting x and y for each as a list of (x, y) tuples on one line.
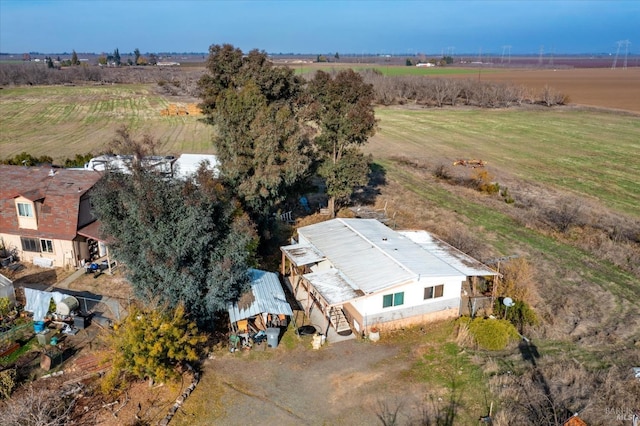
[(302, 254), (454, 257), (372, 255), (268, 297), (357, 257), (334, 287)]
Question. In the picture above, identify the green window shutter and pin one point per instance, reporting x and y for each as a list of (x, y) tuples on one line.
[(387, 300), (398, 299)]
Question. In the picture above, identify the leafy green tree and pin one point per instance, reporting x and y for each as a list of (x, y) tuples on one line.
[(262, 147), (74, 58), (49, 62), (182, 241), (337, 56), (342, 108), (151, 344)]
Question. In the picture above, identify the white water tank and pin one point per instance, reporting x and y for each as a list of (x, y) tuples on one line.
[(67, 305)]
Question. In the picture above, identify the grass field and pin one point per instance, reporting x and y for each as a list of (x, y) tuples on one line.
[(595, 154), (64, 121), (590, 153)]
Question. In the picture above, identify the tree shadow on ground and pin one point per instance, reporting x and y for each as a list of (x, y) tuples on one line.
[(548, 407), (368, 194), (45, 277)]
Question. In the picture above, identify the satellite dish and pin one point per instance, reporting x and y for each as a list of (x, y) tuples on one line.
[(507, 301)]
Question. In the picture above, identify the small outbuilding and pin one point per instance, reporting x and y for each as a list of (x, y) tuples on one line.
[(264, 305)]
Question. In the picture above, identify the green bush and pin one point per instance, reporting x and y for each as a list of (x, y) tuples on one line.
[(492, 334), (7, 382), (5, 306), (520, 314)]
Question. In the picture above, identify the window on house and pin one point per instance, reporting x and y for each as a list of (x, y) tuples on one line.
[(433, 292), (29, 244), (395, 299), (46, 246), (25, 210)]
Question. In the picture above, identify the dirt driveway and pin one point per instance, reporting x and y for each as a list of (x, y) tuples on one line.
[(336, 385), (347, 383)]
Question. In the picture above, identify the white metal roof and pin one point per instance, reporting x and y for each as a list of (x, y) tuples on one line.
[(454, 257), (334, 287), (373, 257), (268, 297), (187, 164), (303, 254)]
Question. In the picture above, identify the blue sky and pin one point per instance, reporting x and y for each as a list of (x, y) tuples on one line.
[(389, 27)]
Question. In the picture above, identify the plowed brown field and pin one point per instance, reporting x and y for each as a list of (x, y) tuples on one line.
[(602, 87)]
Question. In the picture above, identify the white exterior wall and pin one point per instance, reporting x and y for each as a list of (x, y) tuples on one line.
[(413, 295)]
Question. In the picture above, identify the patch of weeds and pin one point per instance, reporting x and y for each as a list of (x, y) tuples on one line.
[(13, 357), (290, 340), (506, 196)]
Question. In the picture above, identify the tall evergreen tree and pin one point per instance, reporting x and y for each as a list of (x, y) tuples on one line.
[(342, 108), (181, 242), (262, 147), (74, 58), (116, 57)]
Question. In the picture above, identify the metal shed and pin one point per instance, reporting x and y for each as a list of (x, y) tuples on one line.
[(266, 297)]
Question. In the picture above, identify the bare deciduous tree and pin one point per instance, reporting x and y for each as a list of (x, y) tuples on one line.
[(37, 407)]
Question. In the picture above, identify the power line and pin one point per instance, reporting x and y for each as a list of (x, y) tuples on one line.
[(507, 49)]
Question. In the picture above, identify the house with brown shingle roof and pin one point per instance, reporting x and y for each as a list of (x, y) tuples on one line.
[(42, 210)]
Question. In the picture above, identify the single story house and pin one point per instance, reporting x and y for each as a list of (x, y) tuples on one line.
[(362, 274), (42, 211)]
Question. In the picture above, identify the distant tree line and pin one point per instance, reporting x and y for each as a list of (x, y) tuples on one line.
[(438, 92), (396, 90)]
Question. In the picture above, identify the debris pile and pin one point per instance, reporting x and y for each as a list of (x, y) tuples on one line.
[(470, 163), (175, 109)]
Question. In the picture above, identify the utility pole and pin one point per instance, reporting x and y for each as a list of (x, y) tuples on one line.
[(541, 55), (507, 49), (615, 58), (626, 53)]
